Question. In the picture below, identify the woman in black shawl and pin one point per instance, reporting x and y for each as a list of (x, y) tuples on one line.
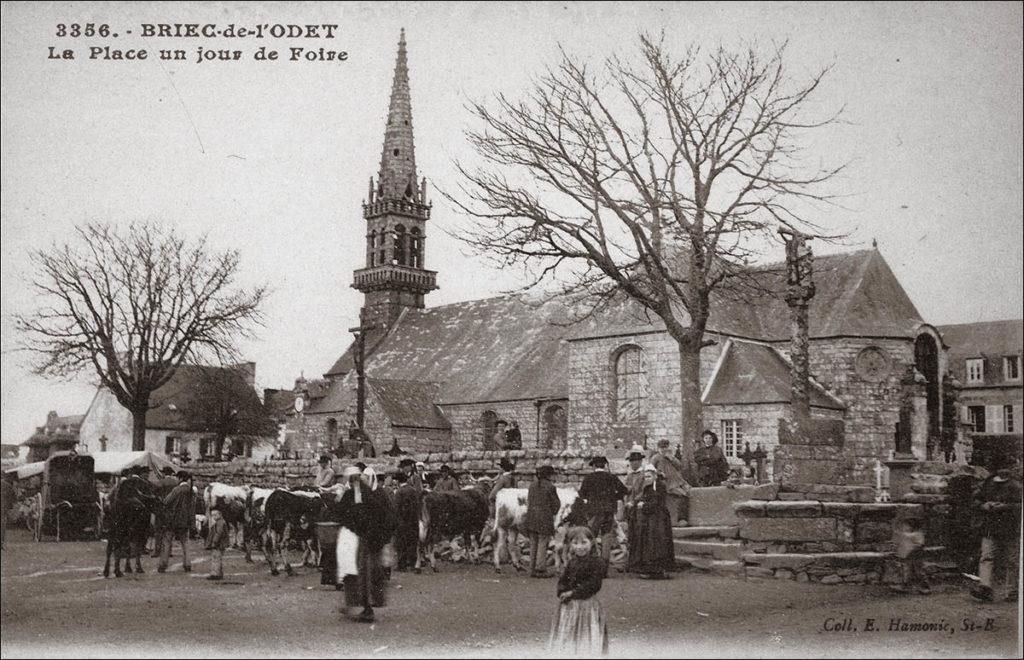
[(366, 512), (650, 530)]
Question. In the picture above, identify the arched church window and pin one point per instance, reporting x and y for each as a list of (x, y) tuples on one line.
[(630, 384), (400, 239), (555, 428), (408, 191), (488, 425), (373, 248), (415, 248)]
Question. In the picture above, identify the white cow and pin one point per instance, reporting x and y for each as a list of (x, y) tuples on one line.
[(509, 515)]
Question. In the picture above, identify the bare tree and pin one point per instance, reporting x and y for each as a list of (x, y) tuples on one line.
[(659, 181), (132, 305), (223, 402)]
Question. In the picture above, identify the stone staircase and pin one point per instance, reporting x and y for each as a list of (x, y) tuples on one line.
[(715, 549)]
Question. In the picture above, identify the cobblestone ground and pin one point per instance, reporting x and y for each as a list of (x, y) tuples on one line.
[(55, 603)]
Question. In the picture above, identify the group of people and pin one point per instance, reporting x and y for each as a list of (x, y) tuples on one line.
[(505, 437)]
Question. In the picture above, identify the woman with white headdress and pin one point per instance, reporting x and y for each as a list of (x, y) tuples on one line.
[(367, 525), (651, 551)]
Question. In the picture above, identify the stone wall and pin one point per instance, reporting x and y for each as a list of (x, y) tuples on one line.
[(592, 423), (468, 429), (570, 467), (760, 423), (872, 408)]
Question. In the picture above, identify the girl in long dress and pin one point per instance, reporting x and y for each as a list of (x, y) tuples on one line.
[(579, 627)]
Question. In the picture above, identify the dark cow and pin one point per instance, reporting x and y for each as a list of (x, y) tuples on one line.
[(285, 512), (448, 514), (131, 504)]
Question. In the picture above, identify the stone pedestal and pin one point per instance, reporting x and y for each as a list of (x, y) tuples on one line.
[(811, 455), (899, 475)]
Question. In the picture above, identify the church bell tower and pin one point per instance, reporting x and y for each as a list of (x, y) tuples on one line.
[(396, 213)]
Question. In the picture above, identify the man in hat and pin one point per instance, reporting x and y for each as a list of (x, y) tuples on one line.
[(447, 480), (676, 489), (498, 439), (602, 491), (513, 437), (325, 474), (505, 480), (162, 487), (179, 516), (542, 506), (634, 479), (413, 478), (999, 504)]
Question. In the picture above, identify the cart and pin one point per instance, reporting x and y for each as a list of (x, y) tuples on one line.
[(68, 504)]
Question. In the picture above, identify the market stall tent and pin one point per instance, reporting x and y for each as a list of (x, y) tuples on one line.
[(114, 462)]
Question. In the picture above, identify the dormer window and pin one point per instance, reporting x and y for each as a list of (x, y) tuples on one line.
[(975, 371), (1011, 367)]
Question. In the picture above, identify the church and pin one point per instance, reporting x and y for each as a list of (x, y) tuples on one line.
[(442, 378)]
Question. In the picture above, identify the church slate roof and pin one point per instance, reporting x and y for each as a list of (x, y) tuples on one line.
[(856, 295), (507, 348), (409, 403), (750, 373)]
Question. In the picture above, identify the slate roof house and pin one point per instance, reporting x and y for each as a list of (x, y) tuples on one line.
[(59, 433), (189, 416), (985, 358), (440, 378)]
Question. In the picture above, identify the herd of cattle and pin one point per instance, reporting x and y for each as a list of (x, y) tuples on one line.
[(277, 520)]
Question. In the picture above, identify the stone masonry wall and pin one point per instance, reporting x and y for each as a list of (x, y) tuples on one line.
[(872, 408), (468, 430), (570, 467), (592, 423), (760, 423)]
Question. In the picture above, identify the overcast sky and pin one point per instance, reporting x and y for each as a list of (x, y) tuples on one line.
[(273, 158)]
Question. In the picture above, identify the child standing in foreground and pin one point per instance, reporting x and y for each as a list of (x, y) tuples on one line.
[(216, 543), (579, 626), (910, 549)]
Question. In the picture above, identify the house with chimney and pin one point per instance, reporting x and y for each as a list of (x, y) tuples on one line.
[(202, 412), (59, 433)]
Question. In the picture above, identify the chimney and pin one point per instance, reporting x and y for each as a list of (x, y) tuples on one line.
[(248, 371)]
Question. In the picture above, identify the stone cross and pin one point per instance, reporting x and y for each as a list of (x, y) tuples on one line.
[(799, 291)]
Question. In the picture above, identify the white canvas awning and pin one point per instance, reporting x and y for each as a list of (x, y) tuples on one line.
[(27, 470), (114, 462)]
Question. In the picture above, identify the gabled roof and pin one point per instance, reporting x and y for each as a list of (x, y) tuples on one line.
[(984, 338), (58, 428), (197, 396), (409, 403), (508, 348), (495, 349), (749, 372)]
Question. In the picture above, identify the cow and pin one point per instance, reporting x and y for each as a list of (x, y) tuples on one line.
[(509, 514), (132, 504), (255, 518), (231, 500), (448, 514), (284, 512)]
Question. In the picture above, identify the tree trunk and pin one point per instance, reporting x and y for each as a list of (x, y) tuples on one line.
[(692, 418), (139, 429)]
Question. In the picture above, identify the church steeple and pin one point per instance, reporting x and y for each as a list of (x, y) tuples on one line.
[(396, 212), (397, 176)]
